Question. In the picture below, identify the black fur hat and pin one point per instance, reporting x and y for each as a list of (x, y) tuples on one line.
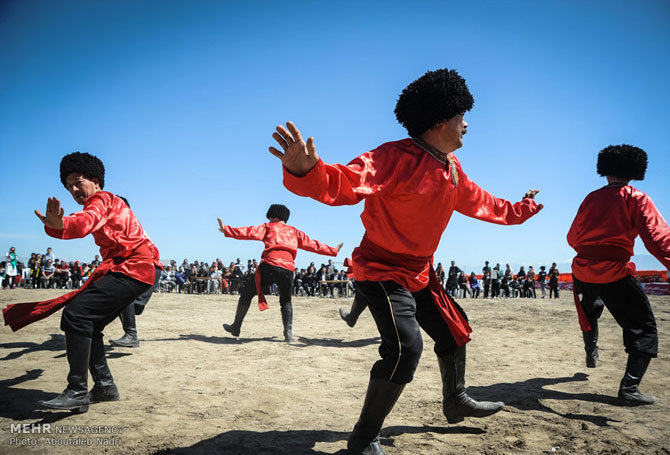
[(433, 98), (278, 211), (624, 161), (82, 163)]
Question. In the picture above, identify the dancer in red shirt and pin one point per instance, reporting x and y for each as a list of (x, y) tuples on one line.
[(128, 270), (411, 188), (281, 246), (603, 234)]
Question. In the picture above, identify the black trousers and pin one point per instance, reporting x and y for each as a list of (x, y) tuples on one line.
[(140, 302), (96, 306), (629, 305), (269, 274), (399, 315)]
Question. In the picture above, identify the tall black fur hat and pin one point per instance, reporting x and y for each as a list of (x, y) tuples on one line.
[(278, 211), (432, 99), (624, 161), (82, 163)]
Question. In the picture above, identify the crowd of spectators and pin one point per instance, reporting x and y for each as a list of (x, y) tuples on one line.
[(199, 277), (495, 283)]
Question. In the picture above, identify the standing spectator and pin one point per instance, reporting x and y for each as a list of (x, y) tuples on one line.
[(439, 271), (486, 278), (553, 281), (530, 283), (541, 279), (95, 262), (11, 269), (49, 255), (452, 279), (48, 272), (495, 281)]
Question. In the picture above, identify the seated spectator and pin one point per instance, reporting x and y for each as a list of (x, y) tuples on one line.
[(214, 282), (86, 272), (463, 285), (325, 289), (475, 289), (167, 280), (309, 281), (75, 274), (62, 275), (297, 282), (48, 272)]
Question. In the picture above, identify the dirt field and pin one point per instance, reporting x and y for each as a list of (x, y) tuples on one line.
[(192, 389)]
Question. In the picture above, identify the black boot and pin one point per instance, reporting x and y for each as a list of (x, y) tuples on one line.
[(356, 309), (75, 396), (380, 398), (591, 345), (456, 404), (629, 393), (129, 339), (242, 307), (287, 320), (104, 388)]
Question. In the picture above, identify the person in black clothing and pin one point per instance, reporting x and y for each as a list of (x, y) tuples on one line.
[(553, 280), (486, 278)]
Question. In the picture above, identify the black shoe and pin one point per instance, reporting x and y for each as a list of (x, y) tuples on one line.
[(380, 398), (75, 396), (287, 321), (232, 329), (129, 338), (67, 401), (629, 392), (591, 344), (126, 341), (456, 404), (346, 317), (635, 398), (101, 393), (374, 448)]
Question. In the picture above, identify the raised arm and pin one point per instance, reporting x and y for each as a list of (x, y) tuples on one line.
[(243, 233), (653, 229), (306, 175), (79, 224), (314, 246), (298, 157), (477, 203)]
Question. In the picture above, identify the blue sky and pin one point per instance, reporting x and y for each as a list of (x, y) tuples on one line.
[(180, 99)]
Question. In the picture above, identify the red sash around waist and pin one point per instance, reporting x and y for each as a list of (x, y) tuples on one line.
[(603, 253), (458, 325)]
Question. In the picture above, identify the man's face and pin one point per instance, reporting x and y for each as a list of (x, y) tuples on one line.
[(81, 187), (454, 129)]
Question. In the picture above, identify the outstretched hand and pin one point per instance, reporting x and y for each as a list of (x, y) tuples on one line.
[(530, 194), (54, 214), (298, 157), (221, 225), (339, 247)]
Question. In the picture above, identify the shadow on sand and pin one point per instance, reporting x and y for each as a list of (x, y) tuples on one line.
[(528, 395), (55, 343), (21, 403), (296, 442)]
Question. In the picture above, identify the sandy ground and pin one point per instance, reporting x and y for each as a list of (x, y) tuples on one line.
[(192, 389)]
